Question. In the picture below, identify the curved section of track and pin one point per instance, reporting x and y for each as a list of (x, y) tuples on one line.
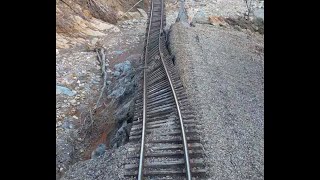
[(164, 141)]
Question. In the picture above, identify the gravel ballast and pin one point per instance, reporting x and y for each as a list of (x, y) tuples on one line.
[(108, 166), (223, 71)]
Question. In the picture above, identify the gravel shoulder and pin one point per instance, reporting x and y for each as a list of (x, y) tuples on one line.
[(108, 166), (223, 71)]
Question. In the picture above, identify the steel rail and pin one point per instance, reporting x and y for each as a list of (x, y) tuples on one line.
[(142, 148), (185, 145), (140, 172)]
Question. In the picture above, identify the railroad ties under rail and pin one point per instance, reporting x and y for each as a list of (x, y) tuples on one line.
[(164, 143)]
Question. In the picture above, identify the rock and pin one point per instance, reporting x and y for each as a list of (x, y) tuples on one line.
[(73, 101), (94, 41), (108, 82), (135, 15), (118, 52), (261, 4), (61, 42), (64, 90), (191, 11), (80, 25), (124, 67), (125, 113), (117, 92), (67, 124), (256, 28), (100, 25), (259, 23), (124, 87), (237, 27), (143, 13), (101, 149), (122, 135), (58, 123), (115, 29), (116, 73), (217, 21), (128, 127), (201, 17), (75, 117)]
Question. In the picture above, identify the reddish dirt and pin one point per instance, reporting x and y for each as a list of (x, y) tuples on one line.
[(103, 139), (104, 131)]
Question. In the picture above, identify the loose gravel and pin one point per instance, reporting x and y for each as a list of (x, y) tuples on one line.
[(223, 72)]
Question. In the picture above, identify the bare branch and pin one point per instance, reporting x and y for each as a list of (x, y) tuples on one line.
[(101, 57), (131, 7)]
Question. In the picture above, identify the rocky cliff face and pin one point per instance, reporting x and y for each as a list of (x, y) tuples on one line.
[(78, 20)]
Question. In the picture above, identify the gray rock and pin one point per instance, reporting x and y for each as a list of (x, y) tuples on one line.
[(201, 17), (261, 4), (125, 85), (117, 92), (67, 124), (122, 135), (64, 90), (134, 15), (116, 73), (128, 128), (125, 113), (73, 101), (100, 150), (124, 67), (143, 13)]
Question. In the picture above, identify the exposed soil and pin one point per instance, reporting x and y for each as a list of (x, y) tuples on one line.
[(79, 64)]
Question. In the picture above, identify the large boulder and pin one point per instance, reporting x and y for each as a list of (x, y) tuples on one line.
[(126, 83), (124, 68), (122, 135), (143, 13), (125, 113)]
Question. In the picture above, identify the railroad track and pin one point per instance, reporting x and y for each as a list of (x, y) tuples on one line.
[(164, 143)]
